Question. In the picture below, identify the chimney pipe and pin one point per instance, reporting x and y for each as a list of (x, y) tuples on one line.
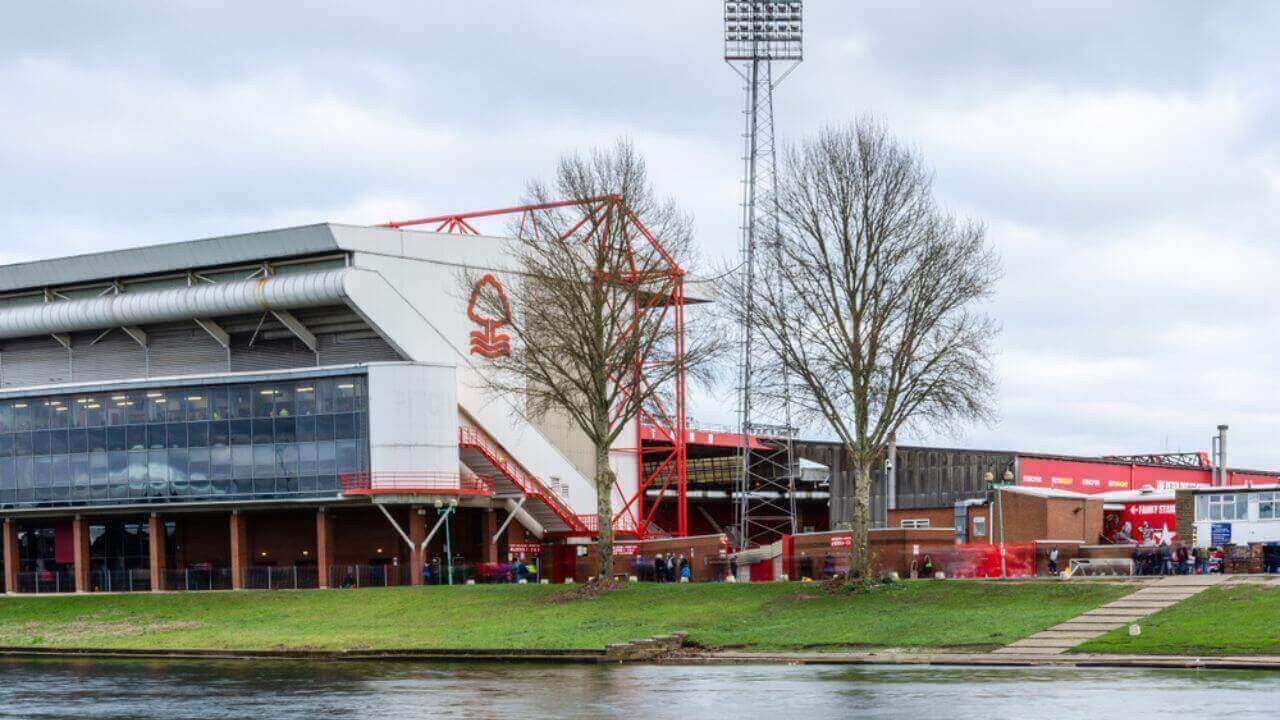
[(1222, 455)]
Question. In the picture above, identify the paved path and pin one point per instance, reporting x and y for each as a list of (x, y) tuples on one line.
[(1130, 609)]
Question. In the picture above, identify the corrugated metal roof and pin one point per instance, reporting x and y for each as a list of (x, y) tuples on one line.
[(169, 257)]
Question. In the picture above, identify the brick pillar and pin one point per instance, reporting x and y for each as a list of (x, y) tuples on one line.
[(158, 550), (417, 533), (10, 556), (239, 548), (324, 546), (490, 529), (80, 552)]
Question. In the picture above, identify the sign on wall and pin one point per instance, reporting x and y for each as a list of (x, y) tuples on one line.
[(1143, 523), (1220, 534), (488, 342)]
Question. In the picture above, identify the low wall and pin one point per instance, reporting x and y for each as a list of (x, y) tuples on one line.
[(706, 555)]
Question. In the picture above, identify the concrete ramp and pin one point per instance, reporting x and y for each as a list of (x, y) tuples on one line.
[(1151, 599)]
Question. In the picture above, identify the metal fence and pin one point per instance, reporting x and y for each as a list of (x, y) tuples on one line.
[(198, 578), (45, 581), (293, 577), (358, 576), (133, 580)]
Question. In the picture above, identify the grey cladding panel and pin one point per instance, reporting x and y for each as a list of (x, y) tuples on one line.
[(186, 352), (33, 361), (114, 356)]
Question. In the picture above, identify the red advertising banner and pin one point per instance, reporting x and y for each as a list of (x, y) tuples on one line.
[(625, 549), (1088, 477), (841, 541), (1144, 523)]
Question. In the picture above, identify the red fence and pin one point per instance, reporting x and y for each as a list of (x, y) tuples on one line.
[(437, 483)]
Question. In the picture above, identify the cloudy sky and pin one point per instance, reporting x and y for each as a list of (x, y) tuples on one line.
[(1126, 161)]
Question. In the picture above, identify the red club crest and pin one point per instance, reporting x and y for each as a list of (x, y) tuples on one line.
[(490, 343)]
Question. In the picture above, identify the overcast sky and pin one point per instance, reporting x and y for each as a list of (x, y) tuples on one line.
[(1125, 160)]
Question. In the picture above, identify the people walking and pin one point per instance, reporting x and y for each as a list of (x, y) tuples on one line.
[(1053, 561)]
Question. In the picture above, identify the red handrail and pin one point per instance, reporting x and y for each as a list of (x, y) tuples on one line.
[(440, 483), (528, 483)]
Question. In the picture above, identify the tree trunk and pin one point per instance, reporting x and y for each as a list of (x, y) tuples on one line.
[(604, 510), (861, 520)]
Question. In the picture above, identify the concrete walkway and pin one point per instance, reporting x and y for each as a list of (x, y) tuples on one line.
[(1130, 609)]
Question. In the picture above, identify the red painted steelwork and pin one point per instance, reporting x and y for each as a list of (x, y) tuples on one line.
[(401, 483), (662, 423)]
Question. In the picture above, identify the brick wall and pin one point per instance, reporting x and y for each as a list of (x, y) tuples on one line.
[(1184, 502), (939, 517)]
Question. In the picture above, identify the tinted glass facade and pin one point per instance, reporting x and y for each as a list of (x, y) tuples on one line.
[(234, 441)]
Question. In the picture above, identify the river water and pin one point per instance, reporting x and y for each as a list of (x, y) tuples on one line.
[(280, 690)]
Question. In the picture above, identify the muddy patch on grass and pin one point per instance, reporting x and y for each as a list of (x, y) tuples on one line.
[(43, 633)]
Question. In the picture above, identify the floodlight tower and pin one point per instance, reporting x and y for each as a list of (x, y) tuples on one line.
[(759, 34)]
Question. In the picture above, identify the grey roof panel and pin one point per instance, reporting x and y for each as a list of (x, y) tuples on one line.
[(169, 257)]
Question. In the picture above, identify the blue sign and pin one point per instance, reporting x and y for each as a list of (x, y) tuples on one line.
[(1220, 534)]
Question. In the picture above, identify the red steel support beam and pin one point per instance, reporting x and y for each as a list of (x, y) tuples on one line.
[(417, 534), (159, 551), (324, 546), (10, 556), (80, 552), (239, 548)]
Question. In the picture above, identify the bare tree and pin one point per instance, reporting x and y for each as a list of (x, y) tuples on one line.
[(864, 299), (593, 334)]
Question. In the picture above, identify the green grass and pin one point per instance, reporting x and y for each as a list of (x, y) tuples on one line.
[(1240, 620), (775, 616)]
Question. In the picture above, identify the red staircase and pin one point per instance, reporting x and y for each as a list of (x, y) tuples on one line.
[(485, 458)]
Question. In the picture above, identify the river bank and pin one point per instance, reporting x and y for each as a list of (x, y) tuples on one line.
[(954, 615)]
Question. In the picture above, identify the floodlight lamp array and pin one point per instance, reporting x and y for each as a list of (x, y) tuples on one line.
[(763, 29)]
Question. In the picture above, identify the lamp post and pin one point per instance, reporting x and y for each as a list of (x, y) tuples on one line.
[(446, 510)]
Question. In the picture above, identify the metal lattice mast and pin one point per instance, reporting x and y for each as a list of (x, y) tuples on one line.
[(758, 35)]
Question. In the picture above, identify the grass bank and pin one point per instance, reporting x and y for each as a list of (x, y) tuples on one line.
[(1236, 620), (774, 616)]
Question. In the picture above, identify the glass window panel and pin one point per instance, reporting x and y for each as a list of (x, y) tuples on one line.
[(198, 434), (325, 458), (285, 430), (177, 434), (116, 409), (39, 414), (6, 445), (135, 407), (284, 401), (43, 477), (241, 401), (306, 428), (22, 444), (136, 437), (288, 459), (197, 404), (1242, 506), (25, 473), (241, 462), (324, 427), (178, 472), (80, 476), (59, 415), (6, 417), (116, 439), (344, 395), (138, 470), (21, 415), (176, 408), (264, 397), (117, 469), (264, 461), (263, 433), (241, 432), (95, 412), (198, 471), (347, 457), (344, 426), (156, 436), (40, 442), (219, 433), (97, 439), (157, 406), (217, 402), (324, 396), (220, 463), (306, 459), (58, 442), (304, 398), (61, 479)]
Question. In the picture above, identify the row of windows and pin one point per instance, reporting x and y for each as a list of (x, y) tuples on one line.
[(219, 433), (186, 465), (319, 396), (1235, 506)]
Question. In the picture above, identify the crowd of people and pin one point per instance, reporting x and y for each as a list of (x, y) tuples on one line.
[(667, 567), (1179, 559)]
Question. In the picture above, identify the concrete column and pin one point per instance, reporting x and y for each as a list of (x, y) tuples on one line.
[(239, 548), (417, 533), (10, 556), (324, 546), (490, 529), (158, 550), (80, 552)]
